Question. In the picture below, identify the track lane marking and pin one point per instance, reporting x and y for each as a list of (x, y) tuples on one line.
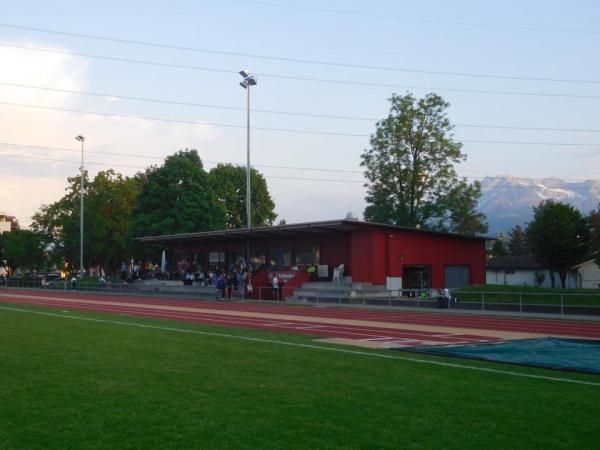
[(359, 333), (290, 317)]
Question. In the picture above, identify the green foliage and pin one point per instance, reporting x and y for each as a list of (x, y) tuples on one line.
[(22, 249), (558, 237), (594, 224), (108, 205), (410, 170), (229, 184), (517, 242), (498, 248), (539, 278), (459, 210), (177, 198), (111, 199)]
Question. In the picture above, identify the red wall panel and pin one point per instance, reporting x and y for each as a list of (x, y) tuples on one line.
[(335, 250), (437, 251)]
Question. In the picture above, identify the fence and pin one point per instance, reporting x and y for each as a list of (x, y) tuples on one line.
[(196, 292), (527, 302), (340, 296), (562, 303)]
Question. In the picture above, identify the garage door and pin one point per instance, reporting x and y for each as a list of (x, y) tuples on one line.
[(456, 276)]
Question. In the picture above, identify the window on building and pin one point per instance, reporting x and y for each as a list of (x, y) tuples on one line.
[(305, 256), (216, 257)]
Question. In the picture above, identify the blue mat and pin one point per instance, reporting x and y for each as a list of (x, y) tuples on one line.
[(556, 353)]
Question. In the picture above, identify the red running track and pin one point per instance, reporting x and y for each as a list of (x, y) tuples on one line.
[(233, 314)]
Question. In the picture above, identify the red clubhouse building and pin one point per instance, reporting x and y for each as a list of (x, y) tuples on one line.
[(397, 257)]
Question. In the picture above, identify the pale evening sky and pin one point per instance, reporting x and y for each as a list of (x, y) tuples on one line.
[(511, 40)]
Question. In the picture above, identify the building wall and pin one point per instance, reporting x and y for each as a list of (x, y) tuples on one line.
[(589, 275), (368, 254), (527, 278), (437, 251), (376, 255), (4, 226), (335, 250), (512, 278)]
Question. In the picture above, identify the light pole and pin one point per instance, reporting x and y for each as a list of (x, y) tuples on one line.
[(81, 139), (249, 80)]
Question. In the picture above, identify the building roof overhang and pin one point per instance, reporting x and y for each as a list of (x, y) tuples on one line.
[(287, 230)]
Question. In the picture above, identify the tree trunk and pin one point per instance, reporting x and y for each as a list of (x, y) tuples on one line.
[(552, 283), (563, 279)]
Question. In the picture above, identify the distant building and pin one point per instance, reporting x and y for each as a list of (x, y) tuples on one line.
[(8, 223), (522, 271), (588, 274)]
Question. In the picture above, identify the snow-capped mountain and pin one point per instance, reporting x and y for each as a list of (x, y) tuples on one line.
[(507, 201)]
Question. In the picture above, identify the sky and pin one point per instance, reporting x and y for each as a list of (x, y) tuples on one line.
[(511, 50)]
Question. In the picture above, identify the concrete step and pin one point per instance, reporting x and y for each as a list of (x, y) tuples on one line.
[(343, 293), (329, 286)]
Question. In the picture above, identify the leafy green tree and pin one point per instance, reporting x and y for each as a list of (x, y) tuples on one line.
[(22, 249), (558, 237), (58, 223), (498, 248), (410, 170), (229, 184), (459, 210), (517, 242), (109, 202), (177, 198), (594, 224)]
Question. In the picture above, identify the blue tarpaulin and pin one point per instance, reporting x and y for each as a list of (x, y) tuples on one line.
[(556, 353)]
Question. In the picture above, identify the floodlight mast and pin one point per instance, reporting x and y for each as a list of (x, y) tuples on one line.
[(249, 80), (81, 139)]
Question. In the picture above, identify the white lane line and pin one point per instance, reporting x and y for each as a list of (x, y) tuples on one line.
[(312, 347)]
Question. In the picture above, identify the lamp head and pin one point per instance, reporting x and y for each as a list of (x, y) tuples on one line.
[(80, 138)]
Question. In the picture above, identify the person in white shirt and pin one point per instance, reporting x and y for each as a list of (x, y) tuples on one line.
[(275, 283)]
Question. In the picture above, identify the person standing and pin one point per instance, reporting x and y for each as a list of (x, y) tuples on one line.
[(230, 284), (123, 271), (275, 284)]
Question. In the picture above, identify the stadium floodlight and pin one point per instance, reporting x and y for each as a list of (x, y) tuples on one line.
[(249, 80), (81, 139)]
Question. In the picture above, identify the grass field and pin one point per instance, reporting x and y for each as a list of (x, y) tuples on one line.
[(70, 383)]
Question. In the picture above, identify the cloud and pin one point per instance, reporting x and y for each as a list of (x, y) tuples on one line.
[(27, 183), (22, 195)]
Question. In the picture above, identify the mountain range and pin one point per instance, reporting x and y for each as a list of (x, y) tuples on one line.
[(507, 201)]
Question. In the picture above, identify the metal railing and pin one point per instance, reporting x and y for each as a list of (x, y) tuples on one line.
[(560, 303), (527, 302)]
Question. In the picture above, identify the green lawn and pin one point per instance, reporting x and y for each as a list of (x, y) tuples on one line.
[(528, 295), (72, 384)]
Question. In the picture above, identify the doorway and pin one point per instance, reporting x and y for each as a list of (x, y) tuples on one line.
[(416, 277)]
